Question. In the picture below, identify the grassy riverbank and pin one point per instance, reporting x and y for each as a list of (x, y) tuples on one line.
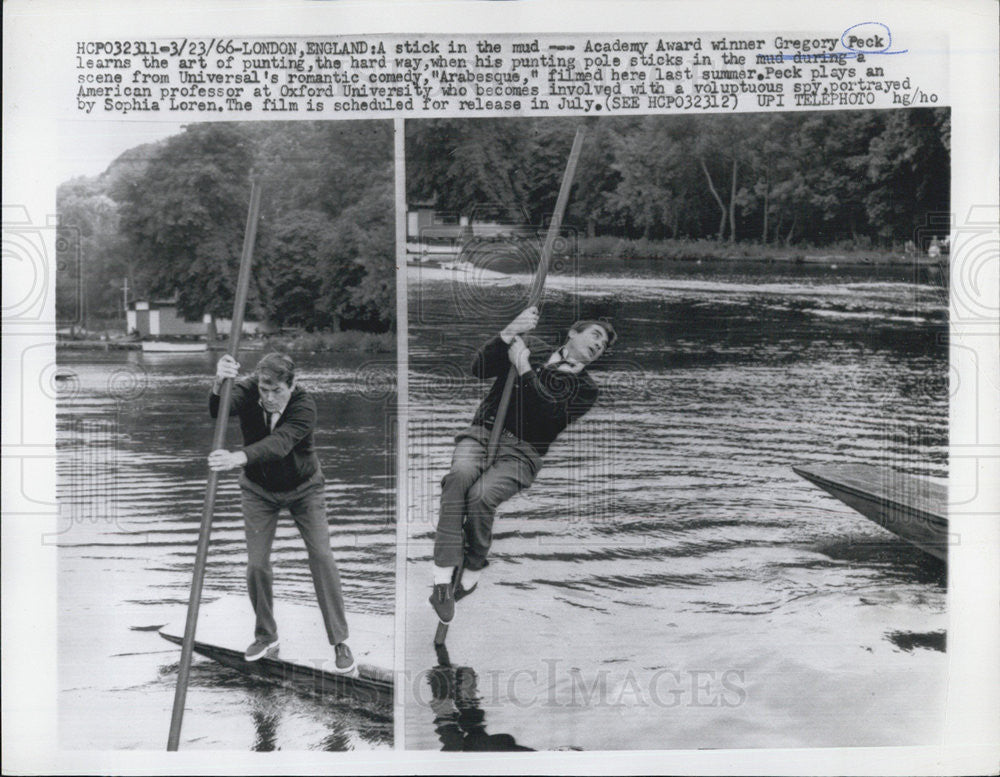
[(333, 342), (95, 344), (715, 250)]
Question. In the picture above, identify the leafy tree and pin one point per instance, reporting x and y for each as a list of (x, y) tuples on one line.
[(186, 216), (655, 180), (289, 270), (372, 299), (333, 180), (817, 177), (479, 166), (325, 252), (169, 217), (93, 267), (909, 169)]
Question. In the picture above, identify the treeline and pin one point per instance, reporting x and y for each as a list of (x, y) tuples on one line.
[(865, 178), (170, 218)]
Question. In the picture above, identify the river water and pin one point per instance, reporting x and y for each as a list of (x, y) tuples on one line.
[(668, 581), (132, 433)]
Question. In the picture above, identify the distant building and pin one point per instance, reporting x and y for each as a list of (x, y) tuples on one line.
[(427, 222), (224, 325), (159, 318), (424, 224)]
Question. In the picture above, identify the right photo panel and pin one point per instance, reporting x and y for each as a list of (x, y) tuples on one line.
[(677, 431)]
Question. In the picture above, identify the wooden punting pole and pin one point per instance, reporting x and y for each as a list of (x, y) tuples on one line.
[(218, 441)]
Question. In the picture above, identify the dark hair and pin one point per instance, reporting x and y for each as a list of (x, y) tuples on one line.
[(277, 367), (604, 324)]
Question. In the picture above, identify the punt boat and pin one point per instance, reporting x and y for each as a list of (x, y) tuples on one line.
[(911, 507), (304, 659)]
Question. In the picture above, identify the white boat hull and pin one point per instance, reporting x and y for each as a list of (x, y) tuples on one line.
[(159, 346)]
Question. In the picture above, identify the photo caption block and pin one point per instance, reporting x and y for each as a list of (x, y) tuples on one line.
[(478, 75)]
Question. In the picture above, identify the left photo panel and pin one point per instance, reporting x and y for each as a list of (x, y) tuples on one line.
[(226, 427)]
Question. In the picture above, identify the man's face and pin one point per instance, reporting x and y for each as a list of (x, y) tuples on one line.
[(274, 394), (588, 344)]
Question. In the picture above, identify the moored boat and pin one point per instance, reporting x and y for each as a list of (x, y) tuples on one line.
[(911, 507), (171, 346), (466, 272)]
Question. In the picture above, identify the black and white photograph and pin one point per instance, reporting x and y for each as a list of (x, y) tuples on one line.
[(536, 387), (714, 514), (228, 585)]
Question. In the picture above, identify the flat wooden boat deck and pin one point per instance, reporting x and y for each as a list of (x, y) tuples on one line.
[(305, 659), (914, 508)]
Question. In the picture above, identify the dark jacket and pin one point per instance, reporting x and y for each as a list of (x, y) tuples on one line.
[(544, 400), (278, 460)]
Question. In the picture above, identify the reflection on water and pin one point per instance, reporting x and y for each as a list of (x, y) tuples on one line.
[(668, 581), (908, 641), (132, 434), (459, 720)]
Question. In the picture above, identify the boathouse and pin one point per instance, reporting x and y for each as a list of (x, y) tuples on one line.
[(159, 318)]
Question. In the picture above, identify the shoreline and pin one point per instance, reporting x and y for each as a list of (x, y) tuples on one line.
[(710, 251), (316, 342), (716, 251)]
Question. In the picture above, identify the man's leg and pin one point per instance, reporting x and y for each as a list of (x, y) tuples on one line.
[(260, 518), (309, 513), (467, 464), (512, 471)]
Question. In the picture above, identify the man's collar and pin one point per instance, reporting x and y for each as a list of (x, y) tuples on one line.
[(560, 360)]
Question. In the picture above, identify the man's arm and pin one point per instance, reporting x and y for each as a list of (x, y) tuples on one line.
[(492, 359), (227, 367)]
